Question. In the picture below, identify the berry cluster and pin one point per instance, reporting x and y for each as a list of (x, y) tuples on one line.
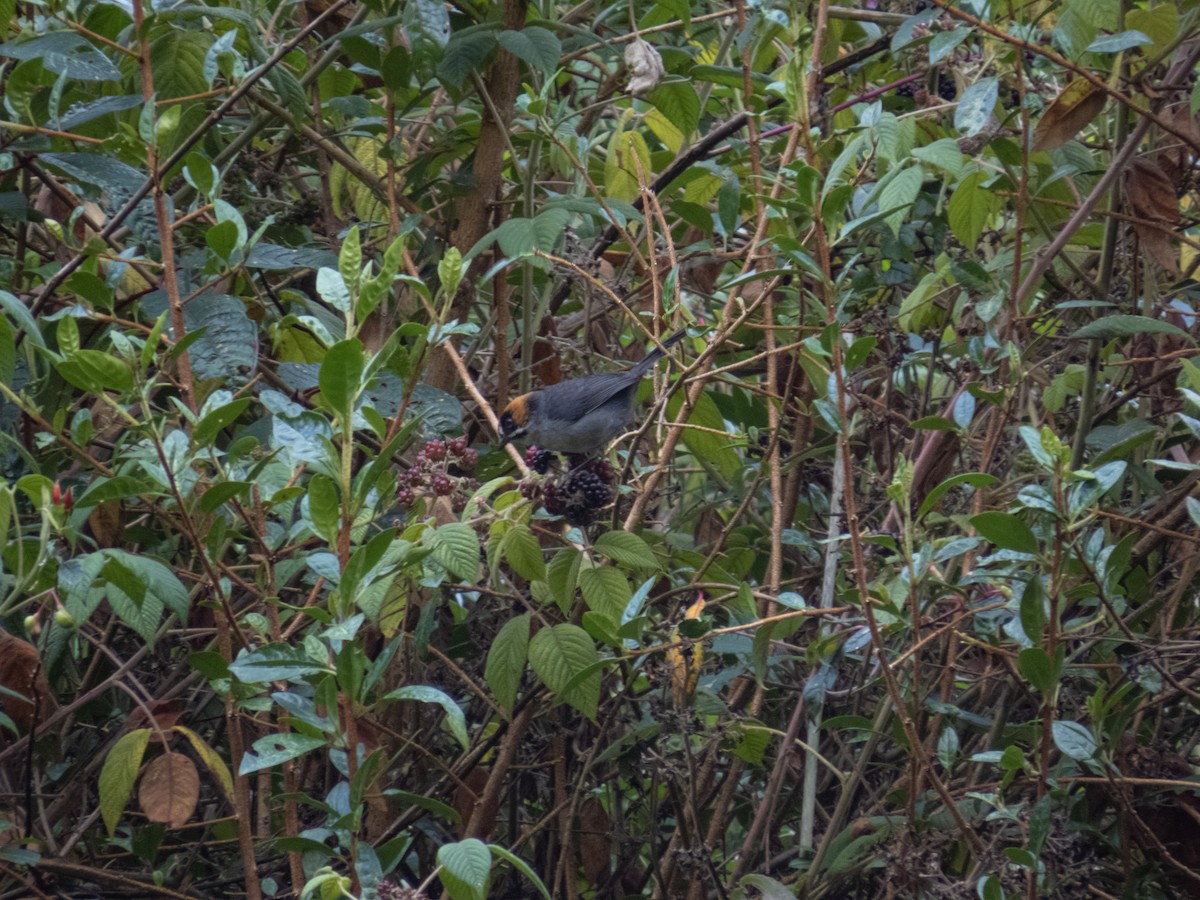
[(430, 469), (538, 459), (586, 487)]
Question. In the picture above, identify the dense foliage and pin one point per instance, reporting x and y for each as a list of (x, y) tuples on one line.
[(892, 592)]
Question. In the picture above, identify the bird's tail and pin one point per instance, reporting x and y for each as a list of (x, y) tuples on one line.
[(659, 352)]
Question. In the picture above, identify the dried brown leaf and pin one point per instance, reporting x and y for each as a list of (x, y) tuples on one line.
[(1071, 112), (165, 712), (595, 840), (20, 672), (1152, 199), (169, 790)]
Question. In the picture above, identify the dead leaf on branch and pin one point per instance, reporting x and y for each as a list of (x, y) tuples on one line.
[(1071, 112), (1151, 197), (170, 789), (21, 673)]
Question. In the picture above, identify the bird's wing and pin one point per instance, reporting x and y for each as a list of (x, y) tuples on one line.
[(597, 390)]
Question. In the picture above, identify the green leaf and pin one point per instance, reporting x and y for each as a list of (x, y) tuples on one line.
[(1005, 531), (899, 194), (975, 106), (350, 260), (15, 308), (971, 207), (276, 749), (626, 165), (943, 153), (456, 722), (1118, 326), (1073, 740), (119, 774), (506, 660), (455, 546), (466, 869), (96, 372), (211, 759), (340, 378), (562, 576), (450, 271), (467, 51), (606, 591), (523, 552), (333, 289), (974, 479), (626, 549), (116, 488), (537, 47), (323, 508), (561, 653), (1033, 609), (1035, 664), (679, 103), (222, 417), (1115, 43), (947, 747), (275, 662), (1159, 23), (712, 450), (944, 42)]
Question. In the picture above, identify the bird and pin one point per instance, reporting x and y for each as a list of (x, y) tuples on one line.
[(579, 415)]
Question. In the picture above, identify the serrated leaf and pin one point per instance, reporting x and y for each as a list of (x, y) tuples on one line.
[(455, 546), (970, 209), (560, 655), (626, 165), (678, 102), (456, 721), (119, 773), (898, 196), (606, 591), (524, 553), (627, 549), (943, 153), (506, 660), (466, 53), (536, 47)]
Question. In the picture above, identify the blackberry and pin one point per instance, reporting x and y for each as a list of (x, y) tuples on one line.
[(468, 459), (552, 501), (457, 446), (538, 459), (405, 497), (442, 485), (435, 450)]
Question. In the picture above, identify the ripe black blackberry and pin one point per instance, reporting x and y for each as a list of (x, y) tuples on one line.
[(538, 459)]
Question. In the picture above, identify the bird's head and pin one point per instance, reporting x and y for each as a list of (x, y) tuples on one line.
[(514, 421)]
